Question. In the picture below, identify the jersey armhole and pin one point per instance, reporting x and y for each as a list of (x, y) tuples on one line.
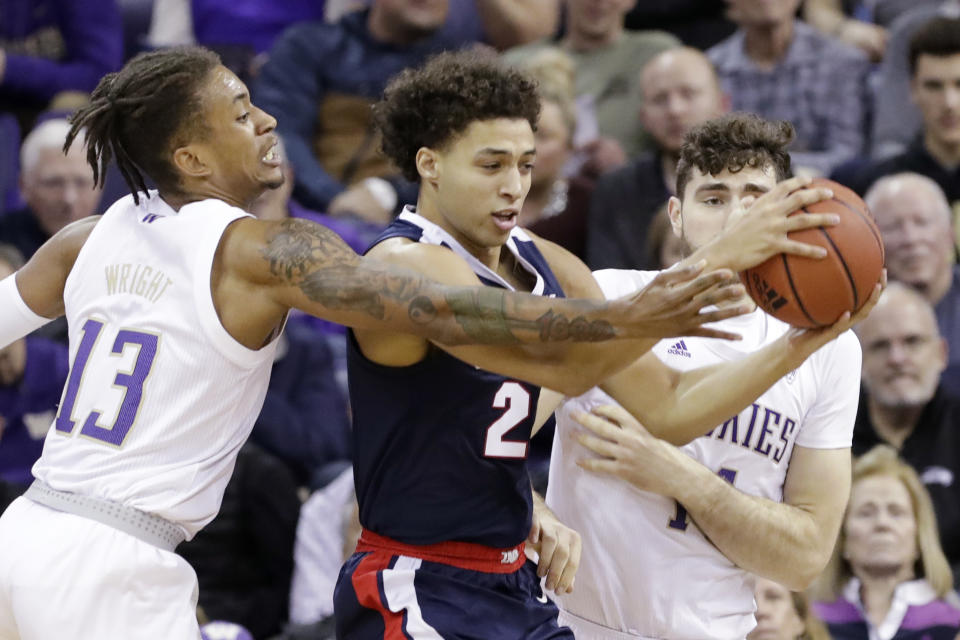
[(210, 322)]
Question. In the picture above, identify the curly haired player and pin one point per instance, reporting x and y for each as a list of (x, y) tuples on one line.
[(440, 445)]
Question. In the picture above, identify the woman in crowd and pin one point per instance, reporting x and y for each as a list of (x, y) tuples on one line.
[(888, 578)]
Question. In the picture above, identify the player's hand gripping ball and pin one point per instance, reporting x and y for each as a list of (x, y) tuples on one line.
[(808, 292)]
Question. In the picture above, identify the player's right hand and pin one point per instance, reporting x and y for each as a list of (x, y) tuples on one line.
[(758, 230), (558, 547), (673, 303)]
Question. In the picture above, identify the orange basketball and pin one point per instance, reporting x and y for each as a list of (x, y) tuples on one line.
[(807, 292)]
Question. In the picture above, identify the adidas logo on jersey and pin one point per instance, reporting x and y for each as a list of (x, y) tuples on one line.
[(679, 349), (509, 557)]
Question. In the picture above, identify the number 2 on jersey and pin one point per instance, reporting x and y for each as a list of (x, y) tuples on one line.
[(680, 522), (131, 381), (516, 400)]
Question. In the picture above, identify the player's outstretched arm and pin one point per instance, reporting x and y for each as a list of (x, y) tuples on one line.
[(789, 542), (304, 265), (681, 406), (34, 295), (570, 368)]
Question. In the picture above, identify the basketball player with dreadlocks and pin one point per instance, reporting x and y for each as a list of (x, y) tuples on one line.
[(174, 300)]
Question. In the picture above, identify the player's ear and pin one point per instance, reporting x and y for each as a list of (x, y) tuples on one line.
[(675, 213), (189, 161), (427, 164)]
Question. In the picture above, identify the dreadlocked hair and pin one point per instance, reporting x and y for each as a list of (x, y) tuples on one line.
[(138, 115)]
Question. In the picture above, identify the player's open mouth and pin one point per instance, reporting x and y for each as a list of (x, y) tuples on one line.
[(271, 157), (506, 219)]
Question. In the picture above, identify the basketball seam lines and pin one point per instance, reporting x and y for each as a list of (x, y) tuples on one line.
[(793, 288), (869, 220), (843, 262)]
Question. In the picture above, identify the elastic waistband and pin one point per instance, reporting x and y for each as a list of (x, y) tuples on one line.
[(465, 555), (150, 528)]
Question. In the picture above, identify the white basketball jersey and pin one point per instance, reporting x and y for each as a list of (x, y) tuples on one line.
[(160, 397), (646, 568)]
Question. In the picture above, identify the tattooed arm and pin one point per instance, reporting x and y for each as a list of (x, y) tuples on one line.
[(299, 264)]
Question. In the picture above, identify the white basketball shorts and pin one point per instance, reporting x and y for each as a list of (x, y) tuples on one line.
[(66, 576)]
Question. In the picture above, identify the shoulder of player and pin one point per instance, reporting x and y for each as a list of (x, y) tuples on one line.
[(574, 276), (438, 262), (616, 283), (70, 239), (260, 251)]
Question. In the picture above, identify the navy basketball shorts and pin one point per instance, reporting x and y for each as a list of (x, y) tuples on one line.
[(450, 590)]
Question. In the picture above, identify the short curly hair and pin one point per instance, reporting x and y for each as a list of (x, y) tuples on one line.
[(732, 142), (431, 105)]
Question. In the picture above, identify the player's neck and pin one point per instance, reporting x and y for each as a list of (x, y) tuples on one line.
[(946, 154), (893, 424), (766, 46), (208, 192)]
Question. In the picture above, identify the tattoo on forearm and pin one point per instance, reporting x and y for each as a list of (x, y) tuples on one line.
[(327, 271), (555, 327), (482, 314)]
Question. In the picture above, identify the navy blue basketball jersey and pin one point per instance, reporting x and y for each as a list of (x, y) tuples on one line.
[(440, 447)]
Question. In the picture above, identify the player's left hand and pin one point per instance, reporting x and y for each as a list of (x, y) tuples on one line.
[(559, 548), (627, 450)]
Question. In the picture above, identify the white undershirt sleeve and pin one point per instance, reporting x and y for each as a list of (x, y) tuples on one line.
[(16, 318)]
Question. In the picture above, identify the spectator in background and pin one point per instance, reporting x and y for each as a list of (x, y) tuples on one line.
[(783, 614), (783, 69), (238, 31), (326, 536), (914, 220), (829, 17), (896, 119), (888, 577), (244, 557), (698, 23), (556, 205), (680, 90), (904, 404), (277, 204), (935, 88), (320, 82), (52, 46), (663, 245), (501, 23), (32, 374), (58, 188), (607, 84), (304, 421), (254, 25)]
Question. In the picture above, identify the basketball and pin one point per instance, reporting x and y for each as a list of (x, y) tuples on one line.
[(810, 293)]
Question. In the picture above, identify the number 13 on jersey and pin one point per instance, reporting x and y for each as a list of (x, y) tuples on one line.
[(130, 382)]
